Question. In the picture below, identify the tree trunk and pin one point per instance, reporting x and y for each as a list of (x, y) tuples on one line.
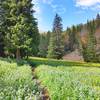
[(18, 57)]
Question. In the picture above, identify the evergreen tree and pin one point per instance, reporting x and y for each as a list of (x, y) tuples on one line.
[(44, 42), (98, 16), (56, 49), (72, 38), (89, 51), (65, 40), (48, 38), (78, 36), (43, 45), (2, 26), (1, 33), (98, 21), (22, 28)]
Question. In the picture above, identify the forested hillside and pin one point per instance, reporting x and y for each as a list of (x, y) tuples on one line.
[(79, 41)]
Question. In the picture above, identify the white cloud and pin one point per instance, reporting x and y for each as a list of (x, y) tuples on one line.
[(58, 9), (80, 12), (87, 3), (38, 12), (48, 1), (97, 7), (36, 6), (37, 9), (55, 7), (35, 1)]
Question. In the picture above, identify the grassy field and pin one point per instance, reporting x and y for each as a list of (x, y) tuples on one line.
[(16, 82), (68, 80), (64, 80), (70, 83), (35, 61)]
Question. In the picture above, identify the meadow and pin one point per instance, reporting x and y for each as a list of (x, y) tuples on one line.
[(16, 82), (68, 80), (70, 83), (63, 80), (35, 61)]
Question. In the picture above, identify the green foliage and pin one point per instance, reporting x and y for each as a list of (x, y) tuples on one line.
[(44, 42), (21, 31), (16, 82), (70, 83), (74, 38), (89, 52), (2, 27), (98, 21), (77, 33), (56, 48)]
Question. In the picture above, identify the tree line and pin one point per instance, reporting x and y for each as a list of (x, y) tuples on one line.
[(57, 43), (19, 34)]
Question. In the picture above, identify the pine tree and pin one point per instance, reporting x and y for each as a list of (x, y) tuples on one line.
[(44, 42), (22, 28), (56, 49), (97, 21), (98, 16), (78, 36), (43, 45), (33, 28), (3, 25), (1, 28), (89, 51), (48, 38), (72, 38)]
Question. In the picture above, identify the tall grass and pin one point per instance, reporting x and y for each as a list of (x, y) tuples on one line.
[(16, 82), (70, 83)]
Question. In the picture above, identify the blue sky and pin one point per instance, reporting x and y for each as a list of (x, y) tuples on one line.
[(71, 11)]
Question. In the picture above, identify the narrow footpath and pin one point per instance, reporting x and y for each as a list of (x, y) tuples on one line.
[(44, 92)]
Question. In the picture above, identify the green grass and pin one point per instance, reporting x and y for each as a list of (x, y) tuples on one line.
[(70, 83), (34, 61), (16, 81), (65, 80)]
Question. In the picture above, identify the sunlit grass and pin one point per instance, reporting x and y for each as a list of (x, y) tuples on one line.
[(70, 83), (38, 61), (16, 82)]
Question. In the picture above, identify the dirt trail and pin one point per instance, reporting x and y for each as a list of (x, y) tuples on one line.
[(44, 91)]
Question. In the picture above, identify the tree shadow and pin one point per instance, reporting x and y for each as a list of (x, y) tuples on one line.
[(57, 63), (18, 62)]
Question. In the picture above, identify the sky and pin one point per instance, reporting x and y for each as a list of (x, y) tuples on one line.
[(72, 12)]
